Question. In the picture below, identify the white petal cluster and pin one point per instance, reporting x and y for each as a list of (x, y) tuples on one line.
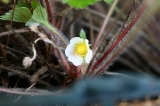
[(77, 58)]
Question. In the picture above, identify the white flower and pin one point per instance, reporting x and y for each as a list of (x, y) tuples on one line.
[(78, 51)]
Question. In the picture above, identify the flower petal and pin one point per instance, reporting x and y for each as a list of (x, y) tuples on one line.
[(75, 59), (69, 50), (76, 40), (86, 41), (89, 56)]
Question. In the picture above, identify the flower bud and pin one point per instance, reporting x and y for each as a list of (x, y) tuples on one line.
[(27, 62)]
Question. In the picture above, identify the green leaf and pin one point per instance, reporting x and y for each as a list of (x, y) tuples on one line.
[(39, 15), (22, 3), (5, 1), (80, 4), (65, 1), (35, 4), (82, 34), (108, 1), (31, 21), (21, 14)]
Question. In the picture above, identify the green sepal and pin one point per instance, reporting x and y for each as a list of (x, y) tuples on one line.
[(82, 34)]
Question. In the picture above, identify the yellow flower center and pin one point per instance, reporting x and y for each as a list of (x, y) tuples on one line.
[(81, 49)]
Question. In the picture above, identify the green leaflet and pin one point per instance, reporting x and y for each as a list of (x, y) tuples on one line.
[(22, 3), (32, 21), (21, 14), (82, 34), (80, 4), (39, 15), (108, 1), (5, 1), (35, 4)]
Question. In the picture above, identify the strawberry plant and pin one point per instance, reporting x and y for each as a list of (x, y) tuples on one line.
[(49, 43)]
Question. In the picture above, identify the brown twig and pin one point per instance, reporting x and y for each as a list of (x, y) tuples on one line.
[(75, 17), (39, 72), (2, 51), (24, 75), (13, 13), (12, 17), (21, 91), (148, 15), (104, 24), (104, 38), (11, 32)]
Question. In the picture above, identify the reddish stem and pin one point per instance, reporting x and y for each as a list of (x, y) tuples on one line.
[(64, 61), (49, 9), (122, 35)]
